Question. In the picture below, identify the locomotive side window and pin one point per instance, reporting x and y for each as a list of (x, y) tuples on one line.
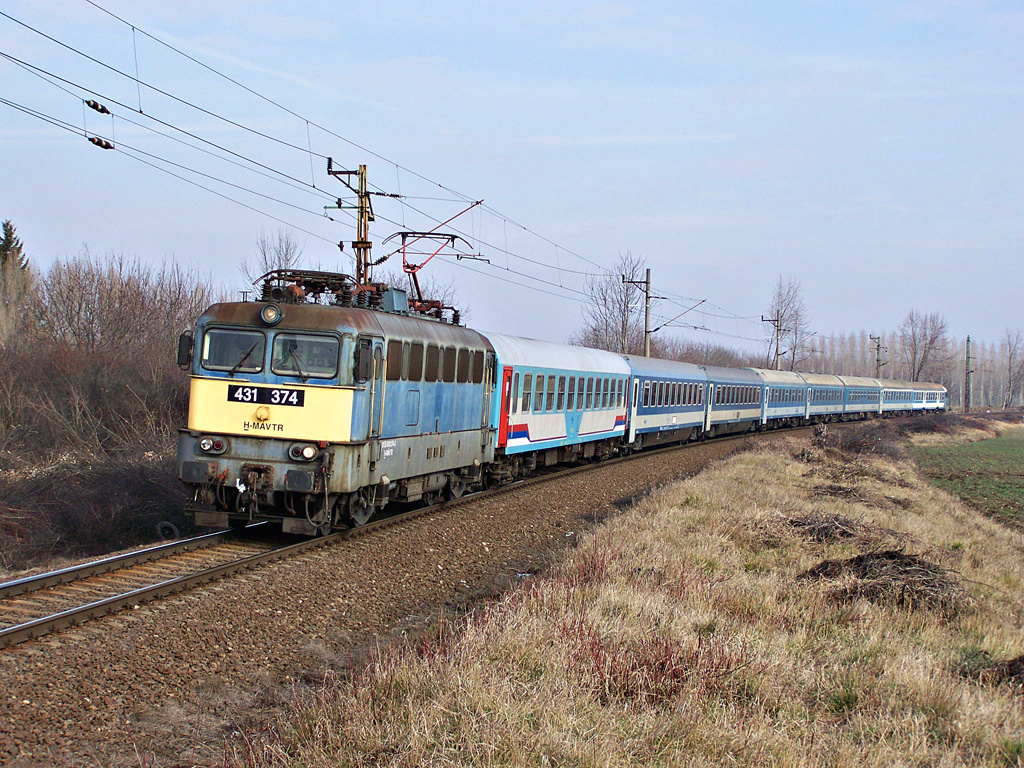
[(449, 362), (394, 366), (307, 356), (527, 392), (433, 362), (416, 362), (464, 364), (478, 367), (235, 351)]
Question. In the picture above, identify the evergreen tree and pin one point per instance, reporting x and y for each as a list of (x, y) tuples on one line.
[(11, 249)]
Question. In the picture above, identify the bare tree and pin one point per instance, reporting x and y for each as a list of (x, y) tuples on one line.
[(1014, 341), (273, 251), (791, 327), (117, 305), (924, 343), (613, 317)]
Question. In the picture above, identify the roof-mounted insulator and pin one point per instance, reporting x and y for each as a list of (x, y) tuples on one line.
[(101, 143), (97, 106)]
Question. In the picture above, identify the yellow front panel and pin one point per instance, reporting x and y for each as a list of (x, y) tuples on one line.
[(326, 413)]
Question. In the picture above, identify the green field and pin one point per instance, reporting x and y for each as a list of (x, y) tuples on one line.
[(988, 474)]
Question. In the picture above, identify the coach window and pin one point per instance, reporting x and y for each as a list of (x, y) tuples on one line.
[(235, 351), (514, 397), (432, 362), (416, 362), (394, 367), (550, 405), (604, 396), (590, 393), (560, 405), (647, 394), (538, 393), (527, 392), (570, 403), (621, 399), (579, 393)]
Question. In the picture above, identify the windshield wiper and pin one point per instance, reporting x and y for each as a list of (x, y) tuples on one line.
[(245, 357), (298, 364)]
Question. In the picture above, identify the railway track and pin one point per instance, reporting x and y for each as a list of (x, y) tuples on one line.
[(35, 606)]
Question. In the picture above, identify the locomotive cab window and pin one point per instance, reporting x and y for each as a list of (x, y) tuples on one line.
[(307, 356), (234, 351)]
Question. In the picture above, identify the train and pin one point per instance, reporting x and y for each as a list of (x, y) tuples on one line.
[(322, 401)]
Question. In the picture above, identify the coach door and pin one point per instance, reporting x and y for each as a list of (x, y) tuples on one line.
[(631, 409), (709, 404), (506, 398)]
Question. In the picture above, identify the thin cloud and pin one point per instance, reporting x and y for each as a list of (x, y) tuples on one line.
[(641, 140)]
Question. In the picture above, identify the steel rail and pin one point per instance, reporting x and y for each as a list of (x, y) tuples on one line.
[(73, 616), (108, 564)]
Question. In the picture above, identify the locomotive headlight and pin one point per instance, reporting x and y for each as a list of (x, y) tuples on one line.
[(208, 444), (302, 452), (271, 314)]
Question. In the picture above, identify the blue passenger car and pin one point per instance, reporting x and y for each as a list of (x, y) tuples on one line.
[(785, 397), (668, 401), (558, 401), (734, 400), (863, 395)]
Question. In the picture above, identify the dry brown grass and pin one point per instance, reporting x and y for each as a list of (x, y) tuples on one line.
[(681, 633)]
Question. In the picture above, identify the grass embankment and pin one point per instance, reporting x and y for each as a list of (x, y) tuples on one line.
[(988, 474), (792, 606)]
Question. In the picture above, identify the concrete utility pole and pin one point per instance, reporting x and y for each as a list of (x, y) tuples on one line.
[(968, 379), (878, 355), (777, 324), (647, 308)]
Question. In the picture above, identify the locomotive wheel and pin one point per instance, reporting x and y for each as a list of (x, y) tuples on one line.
[(359, 510)]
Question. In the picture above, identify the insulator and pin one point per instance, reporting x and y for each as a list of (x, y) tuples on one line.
[(376, 299), (345, 296), (456, 317), (97, 106), (268, 290), (101, 143)]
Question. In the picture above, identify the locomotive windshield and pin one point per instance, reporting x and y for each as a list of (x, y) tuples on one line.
[(306, 356), (234, 351)]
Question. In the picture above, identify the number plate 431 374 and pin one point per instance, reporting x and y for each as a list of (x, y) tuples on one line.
[(240, 393)]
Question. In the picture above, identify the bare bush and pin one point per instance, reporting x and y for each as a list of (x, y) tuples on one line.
[(90, 401)]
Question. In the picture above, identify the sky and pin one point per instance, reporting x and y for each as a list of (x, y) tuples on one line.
[(871, 150)]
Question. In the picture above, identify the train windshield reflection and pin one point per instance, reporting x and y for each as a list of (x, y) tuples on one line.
[(305, 356), (235, 351)]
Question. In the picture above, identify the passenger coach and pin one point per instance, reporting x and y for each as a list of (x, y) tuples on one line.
[(558, 403)]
